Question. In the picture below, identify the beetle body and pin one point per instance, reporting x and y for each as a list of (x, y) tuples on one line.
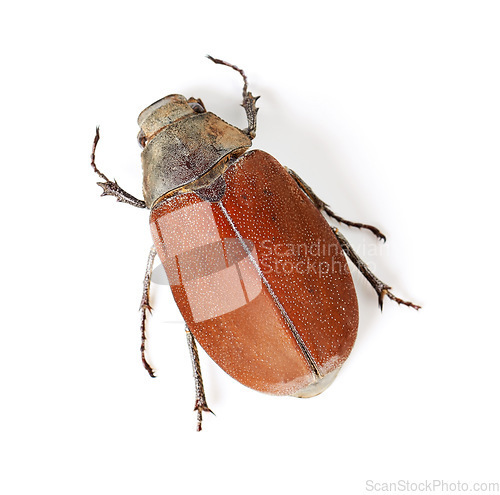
[(259, 278), (258, 274)]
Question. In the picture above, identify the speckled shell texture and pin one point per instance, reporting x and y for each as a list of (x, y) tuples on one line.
[(186, 149), (233, 293)]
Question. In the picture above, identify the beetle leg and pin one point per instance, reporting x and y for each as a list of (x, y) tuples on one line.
[(111, 188), (145, 307), (249, 100), (380, 288), (322, 206), (200, 404)]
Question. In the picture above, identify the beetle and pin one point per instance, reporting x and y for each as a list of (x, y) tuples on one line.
[(259, 275)]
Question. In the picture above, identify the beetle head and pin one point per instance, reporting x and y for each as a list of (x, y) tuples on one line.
[(163, 112)]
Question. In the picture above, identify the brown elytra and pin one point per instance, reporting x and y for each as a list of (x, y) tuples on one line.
[(260, 279)]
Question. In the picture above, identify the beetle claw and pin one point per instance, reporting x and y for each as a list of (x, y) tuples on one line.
[(386, 292), (401, 301), (150, 370)]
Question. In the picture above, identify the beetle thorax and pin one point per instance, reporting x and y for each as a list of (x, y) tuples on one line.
[(182, 143)]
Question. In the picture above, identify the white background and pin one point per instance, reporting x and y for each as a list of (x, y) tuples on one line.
[(389, 109)]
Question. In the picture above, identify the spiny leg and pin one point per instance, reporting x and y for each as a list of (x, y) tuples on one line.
[(145, 306), (248, 99), (380, 288), (111, 188), (200, 404), (322, 206)]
